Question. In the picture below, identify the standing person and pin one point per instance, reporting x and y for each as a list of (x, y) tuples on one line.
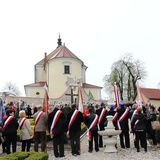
[(25, 131), (29, 111), (57, 127), (74, 120), (121, 117), (91, 122), (40, 121), (102, 113), (138, 126), (10, 126), (151, 117)]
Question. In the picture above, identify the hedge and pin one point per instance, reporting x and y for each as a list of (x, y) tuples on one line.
[(26, 156)]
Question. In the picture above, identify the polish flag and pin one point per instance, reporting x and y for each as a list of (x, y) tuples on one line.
[(140, 96), (45, 105), (116, 95)]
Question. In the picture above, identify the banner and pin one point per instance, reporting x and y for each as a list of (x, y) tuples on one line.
[(116, 95)]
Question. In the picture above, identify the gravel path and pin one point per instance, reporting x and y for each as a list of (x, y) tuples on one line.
[(122, 154)]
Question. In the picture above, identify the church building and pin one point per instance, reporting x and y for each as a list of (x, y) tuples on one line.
[(60, 72)]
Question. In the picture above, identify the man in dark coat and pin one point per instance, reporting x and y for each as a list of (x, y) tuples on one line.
[(121, 117), (10, 126), (91, 121), (102, 113), (57, 127), (74, 120)]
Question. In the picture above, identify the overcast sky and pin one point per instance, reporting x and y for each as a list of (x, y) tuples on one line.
[(99, 32)]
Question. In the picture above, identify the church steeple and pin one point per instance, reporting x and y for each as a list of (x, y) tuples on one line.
[(59, 41)]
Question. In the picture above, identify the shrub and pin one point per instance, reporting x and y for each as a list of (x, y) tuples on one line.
[(26, 156)]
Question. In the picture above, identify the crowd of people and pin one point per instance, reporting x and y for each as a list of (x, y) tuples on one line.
[(130, 118)]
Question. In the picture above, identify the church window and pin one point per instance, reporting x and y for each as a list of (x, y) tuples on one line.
[(66, 69)]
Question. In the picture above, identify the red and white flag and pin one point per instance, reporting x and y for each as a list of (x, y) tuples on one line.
[(14, 106), (45, 106), (116, 95), (80, 99), (140, 96)]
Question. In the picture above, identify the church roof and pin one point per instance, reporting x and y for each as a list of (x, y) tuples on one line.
[(151, 93), (86, 85), (42, 84), (60, 52), (37, 84)]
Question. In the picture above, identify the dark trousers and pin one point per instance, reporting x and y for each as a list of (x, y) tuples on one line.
[(26, 143), (58, 145), (95, 138), (124, 135), (40, 137), (100, 138), (75, 142), (151, 133), (11, 138), (141, 137)]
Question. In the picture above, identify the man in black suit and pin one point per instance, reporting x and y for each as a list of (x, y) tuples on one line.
[(57, 127), (122, 121), (74, 120), (102, 113)]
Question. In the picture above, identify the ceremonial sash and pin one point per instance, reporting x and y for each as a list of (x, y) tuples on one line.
[(6, 123), (123, 115), (136, 123), (122, 118), (38, 117), (56, 117), (74, 115), (21, 123), (135, 112), (93, 124), (115, 117), (101, 115)]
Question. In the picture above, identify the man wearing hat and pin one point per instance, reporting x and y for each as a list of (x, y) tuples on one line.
[(102, 113), (121, 117)]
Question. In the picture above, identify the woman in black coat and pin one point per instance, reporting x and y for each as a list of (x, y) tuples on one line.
[(138, 125)]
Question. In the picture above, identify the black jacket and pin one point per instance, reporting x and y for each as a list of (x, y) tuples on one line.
[(88, 121), (12, 126), (60, 126), (139, 122), (76, 126)]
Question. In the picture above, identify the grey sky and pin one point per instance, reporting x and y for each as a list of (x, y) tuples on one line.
[(99, 32)]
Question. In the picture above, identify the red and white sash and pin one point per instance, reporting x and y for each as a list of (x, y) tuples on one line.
[(137, 121), (55, 119), (124, 115), (74, 115), (135, 112), (115, 117), (38, 117), (21, 123), (6, 123), (122, 118), (102, 115), (93, 124)]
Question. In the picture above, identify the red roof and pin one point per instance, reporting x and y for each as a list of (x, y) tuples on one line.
[(37, 84), (86, 85), (64, 52), (151, 93)]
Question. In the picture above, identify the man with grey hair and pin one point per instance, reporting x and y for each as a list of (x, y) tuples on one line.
[(40, 121)]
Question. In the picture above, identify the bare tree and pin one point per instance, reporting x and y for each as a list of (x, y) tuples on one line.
[(9, 86), (125, 73)]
